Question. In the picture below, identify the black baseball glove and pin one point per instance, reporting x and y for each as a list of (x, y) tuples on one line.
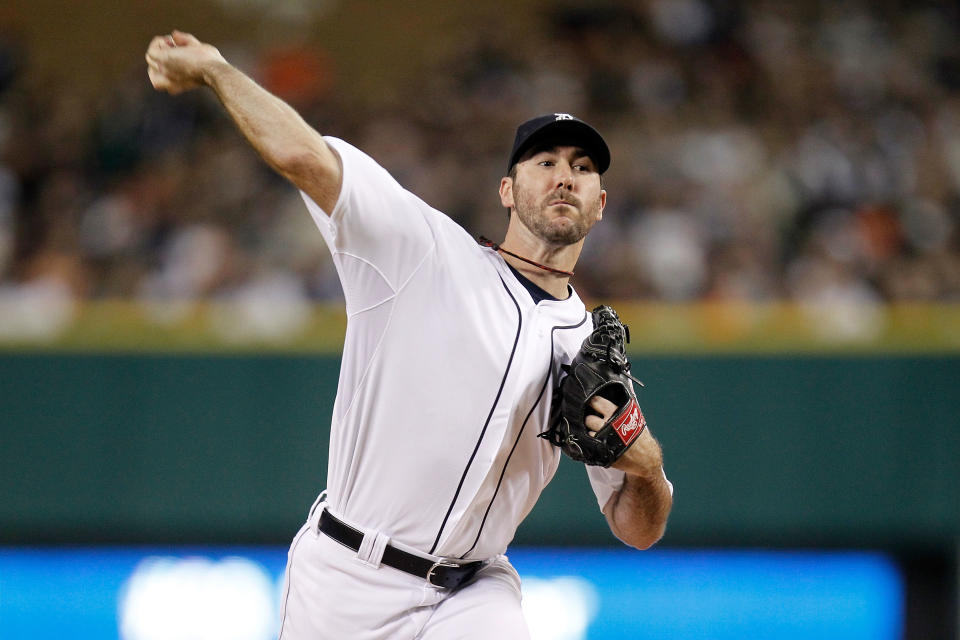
[(601, 368)]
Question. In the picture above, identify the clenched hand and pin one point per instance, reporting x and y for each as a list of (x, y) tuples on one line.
[(178, 62)]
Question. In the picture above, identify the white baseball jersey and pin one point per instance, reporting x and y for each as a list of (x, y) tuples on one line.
[(447, 373)]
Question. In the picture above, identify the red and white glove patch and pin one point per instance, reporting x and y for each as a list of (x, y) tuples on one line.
[(630, 423)]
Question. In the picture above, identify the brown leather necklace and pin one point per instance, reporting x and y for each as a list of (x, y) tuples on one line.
[(497, 247)]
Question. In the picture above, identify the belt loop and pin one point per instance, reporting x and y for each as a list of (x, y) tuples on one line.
[(313, 518), (372, 547)]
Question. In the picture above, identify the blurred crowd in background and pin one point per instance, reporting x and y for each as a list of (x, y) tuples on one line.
[(762, 151)]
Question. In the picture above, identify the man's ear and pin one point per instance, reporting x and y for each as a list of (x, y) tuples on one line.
[(603, 203), (506, 192)]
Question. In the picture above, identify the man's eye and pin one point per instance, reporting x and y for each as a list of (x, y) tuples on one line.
[(546, 163)]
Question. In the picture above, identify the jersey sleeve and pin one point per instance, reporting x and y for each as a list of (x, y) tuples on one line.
[(378, 232), (606, 482)]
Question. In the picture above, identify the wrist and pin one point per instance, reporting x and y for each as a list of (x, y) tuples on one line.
[(213, 71), (643, 459)]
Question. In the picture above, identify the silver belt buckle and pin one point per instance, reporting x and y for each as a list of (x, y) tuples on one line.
[(437, 564)]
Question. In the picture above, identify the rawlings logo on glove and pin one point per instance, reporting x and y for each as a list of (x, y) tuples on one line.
[(630, 424), (600, 369)]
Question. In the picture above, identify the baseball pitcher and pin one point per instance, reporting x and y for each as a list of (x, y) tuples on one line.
[(468, 367)]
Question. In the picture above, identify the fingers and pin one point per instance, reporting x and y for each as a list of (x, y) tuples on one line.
[(158, 55), (602, 406), (152, 59), (594, 424), (183, 39), (158, 80), (157, 52), (157, 45), (176, 62), (154, 69), (160, 44)]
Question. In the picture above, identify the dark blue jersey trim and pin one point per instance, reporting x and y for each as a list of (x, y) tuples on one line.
[(503, 472), (486, 423), (537, 293)]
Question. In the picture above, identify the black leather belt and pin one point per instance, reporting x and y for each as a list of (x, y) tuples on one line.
[(448, 575)]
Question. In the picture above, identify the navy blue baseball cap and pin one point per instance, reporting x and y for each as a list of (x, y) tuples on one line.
[(560, 129)]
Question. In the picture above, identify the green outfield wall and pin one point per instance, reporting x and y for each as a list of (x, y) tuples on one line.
[(774, 449)]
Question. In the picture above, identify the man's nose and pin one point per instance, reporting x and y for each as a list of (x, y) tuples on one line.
[(564, 176)]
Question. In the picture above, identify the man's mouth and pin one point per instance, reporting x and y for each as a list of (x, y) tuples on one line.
[(561, 201)]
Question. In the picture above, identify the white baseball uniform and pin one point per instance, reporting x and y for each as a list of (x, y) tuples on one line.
[(448, 366)]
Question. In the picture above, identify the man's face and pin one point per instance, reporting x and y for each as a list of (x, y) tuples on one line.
[(556, 194)]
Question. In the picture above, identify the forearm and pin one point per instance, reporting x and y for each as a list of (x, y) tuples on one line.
[(275, 130), (638, 511), (180, 62)]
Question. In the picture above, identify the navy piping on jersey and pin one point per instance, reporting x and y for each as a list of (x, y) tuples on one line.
[(486, 423), (537, 293), (503, 472)]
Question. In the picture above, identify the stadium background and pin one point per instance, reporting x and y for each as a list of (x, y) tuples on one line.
[(782, 237)]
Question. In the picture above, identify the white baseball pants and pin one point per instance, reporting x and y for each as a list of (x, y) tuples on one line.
[(332, 593)]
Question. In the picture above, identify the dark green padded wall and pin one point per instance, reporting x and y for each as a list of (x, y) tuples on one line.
[(858, 450)]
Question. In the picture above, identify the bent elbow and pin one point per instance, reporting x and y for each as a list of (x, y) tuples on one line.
[(641, 533), (641, 523), (649, 542), (308, 158), (295, 164), (313, 169), (646, 539)]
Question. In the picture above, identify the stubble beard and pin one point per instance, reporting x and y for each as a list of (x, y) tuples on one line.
[(557, 231)]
